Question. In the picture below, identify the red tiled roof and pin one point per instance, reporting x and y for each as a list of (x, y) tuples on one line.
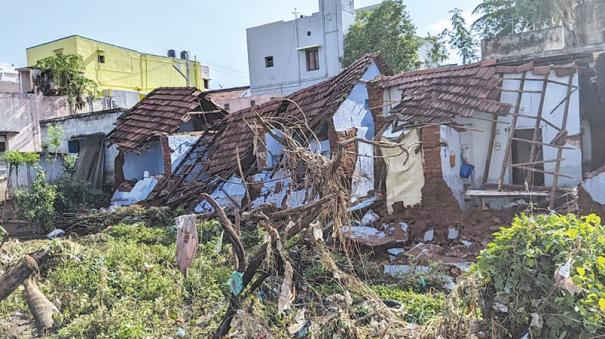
[(163, 110), (319, 102), (440, 94)]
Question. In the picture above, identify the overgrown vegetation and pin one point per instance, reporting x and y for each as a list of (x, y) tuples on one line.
[(36, 204), (548, 271), (63, 74), (461, 38), (122, 283)]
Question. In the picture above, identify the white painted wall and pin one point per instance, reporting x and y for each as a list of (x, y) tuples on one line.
[(283, 41), (149, 160), (572, 165), (451, 175), (75, 126), (595, 186), (355, 112)]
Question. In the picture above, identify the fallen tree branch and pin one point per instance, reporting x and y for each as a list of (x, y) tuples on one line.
[(232, 236), (253, 266)]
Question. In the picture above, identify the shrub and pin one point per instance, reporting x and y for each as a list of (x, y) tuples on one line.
[(549, 271), (75, 194), (37, 203)]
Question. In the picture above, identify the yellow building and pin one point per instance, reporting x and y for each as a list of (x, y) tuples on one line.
[(116, 68)]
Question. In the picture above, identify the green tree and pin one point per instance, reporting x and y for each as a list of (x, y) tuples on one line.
[(434, 50), (502, 17), (461, 38), (387, 29), (64, 75)]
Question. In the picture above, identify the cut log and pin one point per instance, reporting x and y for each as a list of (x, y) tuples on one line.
[(16, 275), (40, 307)]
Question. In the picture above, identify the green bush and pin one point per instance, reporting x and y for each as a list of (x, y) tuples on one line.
[(36, 204), (74, 195), (524, 269)]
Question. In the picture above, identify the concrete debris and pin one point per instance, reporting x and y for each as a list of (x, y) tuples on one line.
[(139, 192), (363, 204), (464, 266), (398, 231), (448, 282), (422, 252), (392, 234), (394, 253), (452, 233), (369, 218), (365, 235), (398, 271), (429, 235), (466, 243)]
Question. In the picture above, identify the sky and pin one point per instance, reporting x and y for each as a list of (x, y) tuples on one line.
[(212, 30)]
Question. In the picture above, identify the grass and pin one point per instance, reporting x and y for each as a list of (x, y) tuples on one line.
[(123, 283)]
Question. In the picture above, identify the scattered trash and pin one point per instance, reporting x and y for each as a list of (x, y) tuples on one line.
[(466, 243), (180, 332), (55, 234), (236, 283), (500, 307), (186, 241), (300, 325)]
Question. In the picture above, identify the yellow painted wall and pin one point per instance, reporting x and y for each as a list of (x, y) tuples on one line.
[(124, 69)]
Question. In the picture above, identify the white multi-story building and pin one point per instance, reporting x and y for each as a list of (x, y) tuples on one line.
[(286, 56)]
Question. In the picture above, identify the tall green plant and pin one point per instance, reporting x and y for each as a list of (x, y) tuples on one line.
[(434, 50), (36, 204), (387, 29), (64, 75), (461, 37), (502, 17)]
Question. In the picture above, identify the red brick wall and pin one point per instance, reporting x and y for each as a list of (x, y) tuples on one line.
[(376, 100), (437, 197), (166, 155)]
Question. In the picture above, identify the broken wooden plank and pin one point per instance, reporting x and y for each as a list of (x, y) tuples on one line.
[(496, 193), (511, 134), (542, 143)]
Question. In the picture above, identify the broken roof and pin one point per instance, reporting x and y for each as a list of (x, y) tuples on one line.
[(318, 102), (227, 93), (162, 111), (437, 95)]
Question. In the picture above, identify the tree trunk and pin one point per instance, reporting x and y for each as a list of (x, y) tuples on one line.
[(39, 306), (17, 274)]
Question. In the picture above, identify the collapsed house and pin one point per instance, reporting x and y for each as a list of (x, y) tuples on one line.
[(494, 134), (242, 164), (155, 135)]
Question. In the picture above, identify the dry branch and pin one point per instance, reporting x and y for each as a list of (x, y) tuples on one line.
[(232, 236)]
